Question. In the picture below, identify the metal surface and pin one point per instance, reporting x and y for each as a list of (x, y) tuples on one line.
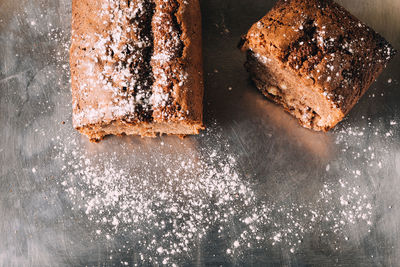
[(283, 163)]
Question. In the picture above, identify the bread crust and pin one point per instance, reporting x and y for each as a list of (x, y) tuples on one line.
[(136, 64)]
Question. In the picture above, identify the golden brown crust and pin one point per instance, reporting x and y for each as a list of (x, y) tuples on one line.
[(136, 64)]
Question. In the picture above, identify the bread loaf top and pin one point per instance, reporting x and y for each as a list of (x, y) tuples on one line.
[(136, 61)]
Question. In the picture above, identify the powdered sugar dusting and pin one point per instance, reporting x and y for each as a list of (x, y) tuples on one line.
[(129, 63), (168, 47), (170, 203), (117, 81)]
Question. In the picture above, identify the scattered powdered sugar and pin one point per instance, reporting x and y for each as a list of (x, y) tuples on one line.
[(169, 203), (167, 207)]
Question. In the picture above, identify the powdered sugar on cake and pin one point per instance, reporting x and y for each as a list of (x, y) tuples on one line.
[(127, 61), (168, 48)]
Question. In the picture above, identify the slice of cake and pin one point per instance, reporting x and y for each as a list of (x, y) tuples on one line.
[(136, 67), (315, 59)]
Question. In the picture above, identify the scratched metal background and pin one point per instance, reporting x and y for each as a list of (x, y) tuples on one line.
[(37, 226)]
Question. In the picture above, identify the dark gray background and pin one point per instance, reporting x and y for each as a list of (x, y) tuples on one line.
[(283, 161)]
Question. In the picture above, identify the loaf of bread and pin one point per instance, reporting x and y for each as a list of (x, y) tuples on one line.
[(315, 59), (136, 67)]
